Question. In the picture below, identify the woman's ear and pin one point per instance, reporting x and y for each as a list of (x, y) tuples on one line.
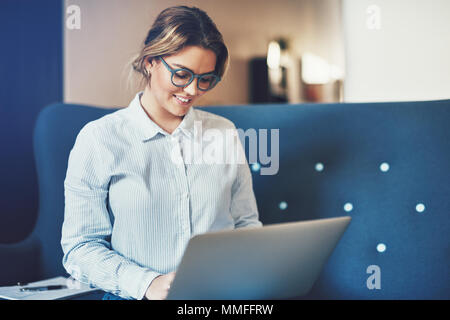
[(149, 63)]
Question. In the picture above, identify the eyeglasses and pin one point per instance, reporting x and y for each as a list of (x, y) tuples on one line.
[(183, 77)]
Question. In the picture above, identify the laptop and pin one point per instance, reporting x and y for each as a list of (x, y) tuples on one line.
[(278, 261)]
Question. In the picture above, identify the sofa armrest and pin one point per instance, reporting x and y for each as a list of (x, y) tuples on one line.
[(19, 262)]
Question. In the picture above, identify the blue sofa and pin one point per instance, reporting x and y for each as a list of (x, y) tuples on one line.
[(387, 165)]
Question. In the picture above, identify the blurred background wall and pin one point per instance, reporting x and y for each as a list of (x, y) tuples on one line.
[(396, 50), (112, 31), (339, 50)]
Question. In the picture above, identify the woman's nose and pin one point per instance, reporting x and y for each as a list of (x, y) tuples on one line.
[(192, 89)]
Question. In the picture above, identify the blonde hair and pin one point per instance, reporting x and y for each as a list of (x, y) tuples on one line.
[(174, 29)]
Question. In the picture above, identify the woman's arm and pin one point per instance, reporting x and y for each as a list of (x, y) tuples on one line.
[(243, 203), (87, 227)]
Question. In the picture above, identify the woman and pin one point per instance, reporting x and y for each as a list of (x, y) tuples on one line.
[(130, 207)]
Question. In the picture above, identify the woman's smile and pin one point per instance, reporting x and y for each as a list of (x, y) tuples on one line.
[(183, 100)]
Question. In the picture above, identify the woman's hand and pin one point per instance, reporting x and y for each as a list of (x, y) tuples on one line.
[(159, 288)]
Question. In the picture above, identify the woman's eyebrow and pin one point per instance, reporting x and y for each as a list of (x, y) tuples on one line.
[(181, 66)]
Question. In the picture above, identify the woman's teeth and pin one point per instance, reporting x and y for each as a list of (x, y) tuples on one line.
[(182, 99)]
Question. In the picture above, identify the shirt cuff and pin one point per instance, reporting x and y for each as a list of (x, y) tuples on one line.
[(136, 280), (148, 279)]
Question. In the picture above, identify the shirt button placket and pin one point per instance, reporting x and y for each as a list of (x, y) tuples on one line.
[(184, 191)]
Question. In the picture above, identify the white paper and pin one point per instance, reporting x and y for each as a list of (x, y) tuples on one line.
[(74, 288)]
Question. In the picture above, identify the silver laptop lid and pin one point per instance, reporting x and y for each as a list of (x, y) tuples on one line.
[(273, 262)]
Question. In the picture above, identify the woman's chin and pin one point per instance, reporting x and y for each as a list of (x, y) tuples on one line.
[(180, 109)]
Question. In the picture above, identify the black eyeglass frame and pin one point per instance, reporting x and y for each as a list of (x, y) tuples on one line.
[(193, 76)]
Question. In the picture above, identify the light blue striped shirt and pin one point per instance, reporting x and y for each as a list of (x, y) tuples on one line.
[(131, 208)]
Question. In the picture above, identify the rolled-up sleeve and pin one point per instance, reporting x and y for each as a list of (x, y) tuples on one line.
[(87, 227)]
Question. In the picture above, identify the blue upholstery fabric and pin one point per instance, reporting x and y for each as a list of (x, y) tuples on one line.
[(54, 135), (351, 140)]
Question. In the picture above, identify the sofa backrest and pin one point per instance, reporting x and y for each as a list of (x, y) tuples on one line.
[(387, 165), (56, 129), (384, 164)]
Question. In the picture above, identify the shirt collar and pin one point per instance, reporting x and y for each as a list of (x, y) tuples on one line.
[(148, 129), (187, 124)]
